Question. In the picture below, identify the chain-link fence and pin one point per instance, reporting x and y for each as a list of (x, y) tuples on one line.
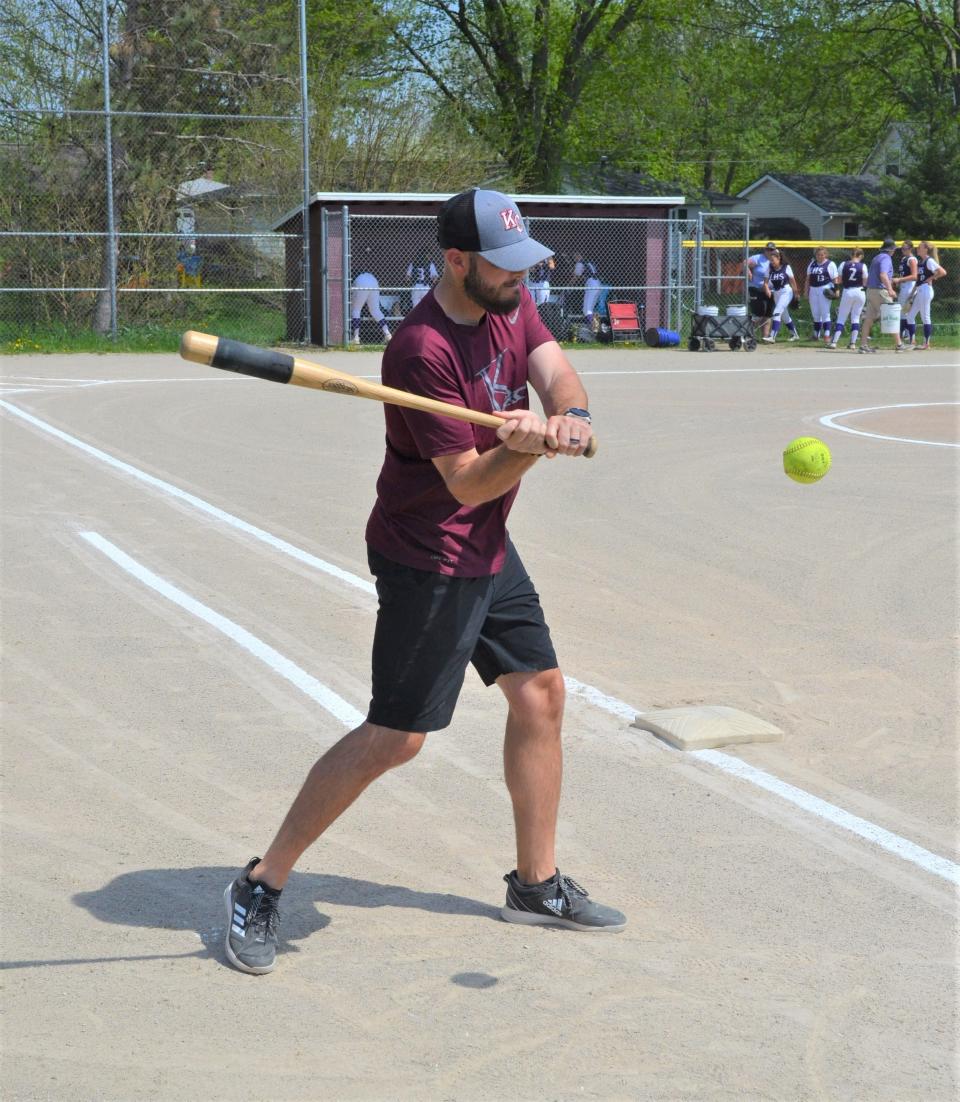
[(378, 267), (148, 153), (141, 200)]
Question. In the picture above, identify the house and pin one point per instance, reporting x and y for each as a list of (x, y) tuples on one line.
[(891, 156), (824, 203)]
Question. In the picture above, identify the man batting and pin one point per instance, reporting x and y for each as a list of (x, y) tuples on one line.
[(451, 587)]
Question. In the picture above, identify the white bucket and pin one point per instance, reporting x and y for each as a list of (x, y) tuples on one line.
[(890, 317), (708, 311), (736, 311)]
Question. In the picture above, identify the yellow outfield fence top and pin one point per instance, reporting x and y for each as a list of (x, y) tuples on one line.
[(847, 245)]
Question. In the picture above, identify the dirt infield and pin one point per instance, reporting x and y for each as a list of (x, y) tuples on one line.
[(936, 424), (186, 624)]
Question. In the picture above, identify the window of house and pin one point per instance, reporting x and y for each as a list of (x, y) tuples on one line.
[(851, 229)]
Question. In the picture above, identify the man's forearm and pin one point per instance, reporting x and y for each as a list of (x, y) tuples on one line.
[(566, 394), (489, 476)]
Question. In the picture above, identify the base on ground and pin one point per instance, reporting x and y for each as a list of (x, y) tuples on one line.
[(705, 726)]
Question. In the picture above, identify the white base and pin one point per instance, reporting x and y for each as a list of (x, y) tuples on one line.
[(706, 726)]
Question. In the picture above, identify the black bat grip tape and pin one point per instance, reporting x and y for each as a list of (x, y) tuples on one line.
[(247, 359)]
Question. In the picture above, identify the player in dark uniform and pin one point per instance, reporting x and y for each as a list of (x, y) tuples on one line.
[(821, 276), (905, 281), (853, 280), (783, 287)]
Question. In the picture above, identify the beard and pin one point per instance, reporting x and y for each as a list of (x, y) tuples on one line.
[(495, 300)]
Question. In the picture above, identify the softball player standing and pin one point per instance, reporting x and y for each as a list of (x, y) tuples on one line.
[(538, 280), (422, 273), (928, 272), (783, 285), (905, 280), (757, 271), (821, 276), (587, 271), (853, 280)]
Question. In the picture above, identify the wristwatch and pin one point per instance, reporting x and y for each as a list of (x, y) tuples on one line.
[(575, 411)]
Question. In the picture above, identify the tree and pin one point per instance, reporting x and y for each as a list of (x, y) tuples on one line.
[(515, 72), (925, 202)]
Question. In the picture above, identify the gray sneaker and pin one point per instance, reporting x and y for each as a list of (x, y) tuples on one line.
[(253, 923), (558, 901)]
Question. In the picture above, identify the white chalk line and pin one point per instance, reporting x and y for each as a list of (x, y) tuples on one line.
[(194, 501), (829, 420), (885, 839), (263, 652), (892, 843), (870, 832), (869, 366)]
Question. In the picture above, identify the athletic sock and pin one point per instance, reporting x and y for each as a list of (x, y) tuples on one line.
[(927, 333), (266, 887)]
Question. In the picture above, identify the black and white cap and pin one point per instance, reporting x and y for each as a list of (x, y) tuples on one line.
[(489, 223)]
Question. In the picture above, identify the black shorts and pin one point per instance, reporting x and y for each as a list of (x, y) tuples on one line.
[(760, 305), (429, 626)]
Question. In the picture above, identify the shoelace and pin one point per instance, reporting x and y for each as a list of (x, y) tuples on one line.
[(265, 914), (570, 888)]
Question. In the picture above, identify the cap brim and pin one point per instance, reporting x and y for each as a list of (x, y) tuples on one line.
[(518, 257)]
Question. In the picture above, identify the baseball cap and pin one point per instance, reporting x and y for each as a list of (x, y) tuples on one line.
[(489, 223), (770, 245), (888, 243)]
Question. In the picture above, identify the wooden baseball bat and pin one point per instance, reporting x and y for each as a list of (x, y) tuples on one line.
[(278, 367)]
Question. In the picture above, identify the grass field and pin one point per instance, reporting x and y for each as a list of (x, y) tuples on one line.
[(254, 322)]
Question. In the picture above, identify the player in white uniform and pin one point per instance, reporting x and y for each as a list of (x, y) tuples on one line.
[(928, 272), (905, 280), (365, 291), (821, 276), (587, 271), (783, 285), (853, 280), (422, 273), (538, 280)]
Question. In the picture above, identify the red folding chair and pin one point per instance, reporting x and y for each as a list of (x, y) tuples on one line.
[(624, 321)]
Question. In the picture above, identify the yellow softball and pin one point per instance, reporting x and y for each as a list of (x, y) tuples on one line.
[(806, 459)]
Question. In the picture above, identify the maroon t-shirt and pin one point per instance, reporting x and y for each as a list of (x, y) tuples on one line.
[(416, 521)]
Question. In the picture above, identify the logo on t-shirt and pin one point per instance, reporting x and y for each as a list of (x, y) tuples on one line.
[(501, 396)]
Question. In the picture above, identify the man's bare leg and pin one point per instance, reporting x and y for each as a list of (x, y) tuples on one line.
[(533, 767), (332, 785)]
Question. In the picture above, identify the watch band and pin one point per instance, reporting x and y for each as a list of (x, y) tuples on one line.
[(583, 414)]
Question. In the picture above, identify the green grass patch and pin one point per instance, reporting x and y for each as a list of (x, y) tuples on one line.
[(230, 316)]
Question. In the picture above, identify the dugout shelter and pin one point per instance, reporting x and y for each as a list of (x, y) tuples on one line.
[(627, 238)]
